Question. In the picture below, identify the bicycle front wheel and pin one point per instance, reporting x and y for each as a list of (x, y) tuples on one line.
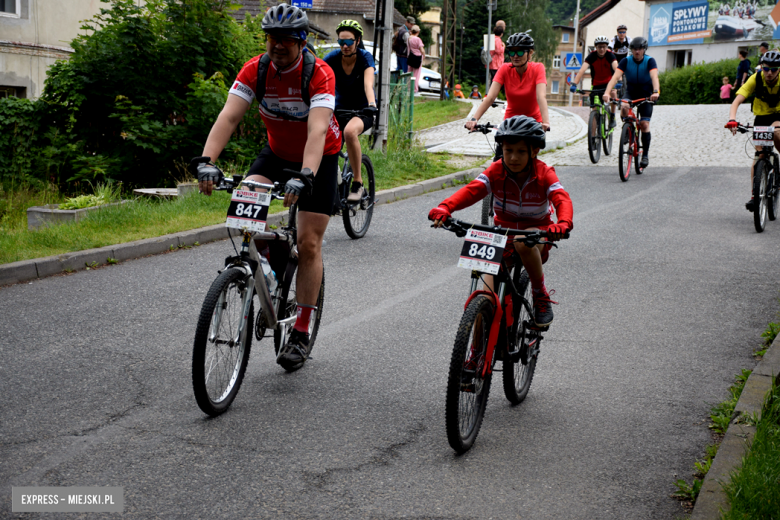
[(467, 391), (609, 132), (624, 152), (594, 136), (487, 211), (288, 306), (773, 193), (760, 175), (220, 353), (518, 374), (357, 217)]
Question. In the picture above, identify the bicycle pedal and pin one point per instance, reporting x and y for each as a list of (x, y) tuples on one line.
[(533, 326)]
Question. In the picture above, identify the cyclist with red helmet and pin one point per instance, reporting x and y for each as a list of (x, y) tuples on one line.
[(303, 135), (525, 191), (524, 82)]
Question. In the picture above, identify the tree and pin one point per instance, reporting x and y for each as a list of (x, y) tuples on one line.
[(519, 15)]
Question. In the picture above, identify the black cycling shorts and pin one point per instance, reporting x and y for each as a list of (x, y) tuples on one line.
[(368, 122), (645, 110), (323, 195), (766, 120), (597, 91)]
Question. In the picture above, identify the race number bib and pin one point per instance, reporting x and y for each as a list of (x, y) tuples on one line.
[(482, 251), (248, 210), (762, 135)]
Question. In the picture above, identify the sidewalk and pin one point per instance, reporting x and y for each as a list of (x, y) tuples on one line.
[(27, 270), (565, 128)]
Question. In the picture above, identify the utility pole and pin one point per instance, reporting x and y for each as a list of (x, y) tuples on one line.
[(576, 29), (487, 47), (385, 43)]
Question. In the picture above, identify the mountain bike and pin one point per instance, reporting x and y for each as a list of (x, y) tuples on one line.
[(766, 180), (223, 336), (496, 326), (356, 215), (599, 131), (630, 141)]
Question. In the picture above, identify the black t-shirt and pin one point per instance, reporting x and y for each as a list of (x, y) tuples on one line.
[(600, 68), (350, 92)]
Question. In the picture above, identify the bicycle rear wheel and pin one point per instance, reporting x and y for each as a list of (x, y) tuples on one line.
[(288, 306), (760, 175), (518, 373), (624, 152), (773, 193), (609, 132), (220, 355), (357, 217), (594, 136), (467, 391), (487, 211)]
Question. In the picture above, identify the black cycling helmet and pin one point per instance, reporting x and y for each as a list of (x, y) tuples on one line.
[(521, 40), (286, 19), (622, 27), (522, 127), (638, 43), (771, 59)]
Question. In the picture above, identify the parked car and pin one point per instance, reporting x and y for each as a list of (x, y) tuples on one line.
[(430, 80)]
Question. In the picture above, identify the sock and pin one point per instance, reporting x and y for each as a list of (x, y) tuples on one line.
[(537, 286), (356, 185), (304, 317), (645, 142)]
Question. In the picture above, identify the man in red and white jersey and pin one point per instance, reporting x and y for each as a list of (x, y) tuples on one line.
[(302, 136)]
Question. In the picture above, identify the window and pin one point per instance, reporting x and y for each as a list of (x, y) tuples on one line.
[(6, 92), (554, 89), (10, 8), (556, 62), (565, 37)]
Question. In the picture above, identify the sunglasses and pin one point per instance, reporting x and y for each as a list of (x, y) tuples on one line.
[(349, 42), (770, 69), (512, 54), (285, 41), (621, 32)]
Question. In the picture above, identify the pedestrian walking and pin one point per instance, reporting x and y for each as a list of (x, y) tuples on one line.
[(497, 55), (743, 69), (725, 90), (401, 46), (416, 55)]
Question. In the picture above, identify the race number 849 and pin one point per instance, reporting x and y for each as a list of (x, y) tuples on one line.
[(482, 251)]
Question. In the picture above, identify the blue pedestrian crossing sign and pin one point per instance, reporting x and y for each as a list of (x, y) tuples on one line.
[(573, 61)]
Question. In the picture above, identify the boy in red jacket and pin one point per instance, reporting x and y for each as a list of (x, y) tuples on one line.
[(523, 188)]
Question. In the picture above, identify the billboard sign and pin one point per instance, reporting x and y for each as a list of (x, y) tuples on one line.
[(695, 21)]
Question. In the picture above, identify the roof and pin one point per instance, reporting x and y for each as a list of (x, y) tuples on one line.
[(259, 7), (366, 8), (569, 27), (598, 11)]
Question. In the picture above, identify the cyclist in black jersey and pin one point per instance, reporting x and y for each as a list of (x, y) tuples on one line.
[(620, 43)]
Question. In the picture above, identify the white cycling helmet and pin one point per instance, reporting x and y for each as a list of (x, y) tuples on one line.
[(601, 39)]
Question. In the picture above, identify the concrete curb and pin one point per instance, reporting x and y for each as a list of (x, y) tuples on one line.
[(582, 132), (27, 270), (738, 437)]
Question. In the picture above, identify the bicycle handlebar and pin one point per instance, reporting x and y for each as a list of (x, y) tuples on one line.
[(531, 237), (485, 129)]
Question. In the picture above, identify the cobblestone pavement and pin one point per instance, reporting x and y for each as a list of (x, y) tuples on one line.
[(452, 137), (682, 135)]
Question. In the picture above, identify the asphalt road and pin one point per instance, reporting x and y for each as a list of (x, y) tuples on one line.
[(664, 289)]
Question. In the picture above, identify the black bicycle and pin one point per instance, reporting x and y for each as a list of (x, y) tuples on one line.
[(356, 215), (223, 336), (496, 326), (766, 179)]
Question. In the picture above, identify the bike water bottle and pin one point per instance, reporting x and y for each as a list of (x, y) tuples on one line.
[(270, 276)]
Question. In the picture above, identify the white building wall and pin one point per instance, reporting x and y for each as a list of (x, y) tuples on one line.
[(630, 13)]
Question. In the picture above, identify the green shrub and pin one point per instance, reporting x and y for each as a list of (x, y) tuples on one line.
[(136, 99), (697, 84)]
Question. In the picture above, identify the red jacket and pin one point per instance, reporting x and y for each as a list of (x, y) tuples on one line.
[(515, 206)]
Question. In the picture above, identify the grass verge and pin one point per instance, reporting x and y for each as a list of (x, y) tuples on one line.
[(148, 218), (754, 489), (432, 112)]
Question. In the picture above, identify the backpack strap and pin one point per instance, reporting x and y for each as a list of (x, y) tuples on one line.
[(309, 61), (762, 92)]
